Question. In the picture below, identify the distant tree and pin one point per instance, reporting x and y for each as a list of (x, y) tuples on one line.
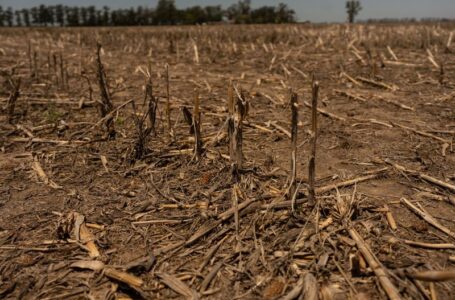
[(114, 18), (214, 13), (67, 14), (240, 12), (2, 16), (9, 16), (91, 16), (393, 20), (263, 15), (99, 18), (149, 15), (140, 16), (143, 16), (60, 15), (353, 7), (44, 15), (193, 15), (26, 17), (83, 14), (72, 16), (106, 16), (35, 15), (244, 7), (284, 14), (17, 14), (125, 17), (131, 17), (50, 15), (120, 17), (165, 13)]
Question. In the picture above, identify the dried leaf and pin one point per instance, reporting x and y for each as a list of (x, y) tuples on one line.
[(178, 286), (93, 265)]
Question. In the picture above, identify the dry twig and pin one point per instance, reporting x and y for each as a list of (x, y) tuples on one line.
[(378, 269), (428, 218)]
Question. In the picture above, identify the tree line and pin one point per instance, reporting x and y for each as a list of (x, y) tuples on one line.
[(165, 13)]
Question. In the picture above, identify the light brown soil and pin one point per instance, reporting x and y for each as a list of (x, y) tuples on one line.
[(274, 247)]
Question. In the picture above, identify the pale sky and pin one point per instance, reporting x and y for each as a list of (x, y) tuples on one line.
[(312, 10)]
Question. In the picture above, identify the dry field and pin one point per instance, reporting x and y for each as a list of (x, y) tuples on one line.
[(97, 203)]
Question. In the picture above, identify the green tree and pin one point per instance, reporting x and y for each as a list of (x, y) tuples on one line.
[(26, 17), (353, 7), (165, 13), (193, 15), (99, 18), (263, 15), (140, 20), (2, 16), (35, 15), (60, 15), (72, 16), (120, 17), (44, 15), (149, 15), (83, 14), (115, 18), (91, 16), (9, 16), (214, 13), (106, 16), (17, 14), (284, 14), (50, 15), (131, 17), (240, 12)]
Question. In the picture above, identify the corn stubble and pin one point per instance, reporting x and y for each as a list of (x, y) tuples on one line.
[(105, 105), (190, 204)]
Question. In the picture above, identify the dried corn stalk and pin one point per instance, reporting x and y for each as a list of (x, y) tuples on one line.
[(105, 105)]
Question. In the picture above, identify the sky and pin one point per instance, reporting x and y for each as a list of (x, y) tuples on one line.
[(311, 10)]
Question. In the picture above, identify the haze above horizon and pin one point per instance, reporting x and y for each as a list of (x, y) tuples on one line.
[(311, 10)]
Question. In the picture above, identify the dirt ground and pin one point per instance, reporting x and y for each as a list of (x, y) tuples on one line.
[(81, 218)]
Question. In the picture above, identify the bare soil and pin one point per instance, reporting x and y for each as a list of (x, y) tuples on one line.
[(157, 208)]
